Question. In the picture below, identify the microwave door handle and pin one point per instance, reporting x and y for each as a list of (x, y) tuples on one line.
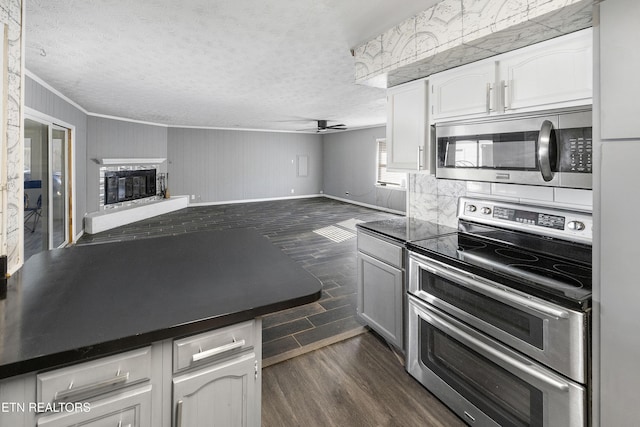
[(544, 150)]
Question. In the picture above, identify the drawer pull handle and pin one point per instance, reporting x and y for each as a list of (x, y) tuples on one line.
[(217, 351), (84, 392)]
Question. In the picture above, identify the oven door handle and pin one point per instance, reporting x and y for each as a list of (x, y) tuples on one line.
[(477, 283), (488, 350)]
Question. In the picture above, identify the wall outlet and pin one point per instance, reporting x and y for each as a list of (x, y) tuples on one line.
[(346, 193), (292, 191), (193, 197)]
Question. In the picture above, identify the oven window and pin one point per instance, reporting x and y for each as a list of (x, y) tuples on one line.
[(513, 321), (513, 151), (499, 394)]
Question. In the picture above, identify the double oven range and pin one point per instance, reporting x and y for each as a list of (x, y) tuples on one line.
[(498, 315)]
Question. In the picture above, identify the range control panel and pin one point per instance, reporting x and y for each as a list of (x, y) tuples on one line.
[(569, 225), (529, 217)]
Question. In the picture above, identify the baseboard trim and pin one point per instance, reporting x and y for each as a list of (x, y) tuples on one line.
[(366, 205), (266, 199), (311, 347)]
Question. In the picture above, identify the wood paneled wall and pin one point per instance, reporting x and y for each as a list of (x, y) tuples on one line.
[(227, 165), (350, 166)]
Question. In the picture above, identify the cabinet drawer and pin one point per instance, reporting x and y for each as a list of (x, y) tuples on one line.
[(130, 408), (85, 381), (213, 345), (380, 249)]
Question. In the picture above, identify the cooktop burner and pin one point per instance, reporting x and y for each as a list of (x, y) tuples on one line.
[(552, 270)]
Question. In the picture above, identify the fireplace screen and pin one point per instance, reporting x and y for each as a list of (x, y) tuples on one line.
[(123, 186)]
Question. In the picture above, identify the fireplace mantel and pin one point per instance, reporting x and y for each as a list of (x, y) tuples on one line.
[(114, 161)]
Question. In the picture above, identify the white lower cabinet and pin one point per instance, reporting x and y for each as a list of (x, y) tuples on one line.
[(131, 408), (217, 377), (212, 378), (221, 395), (381, 287)]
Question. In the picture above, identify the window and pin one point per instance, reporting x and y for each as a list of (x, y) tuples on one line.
[(384, 177)]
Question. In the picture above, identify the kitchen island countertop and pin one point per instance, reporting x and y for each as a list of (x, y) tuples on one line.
[(70, 305)]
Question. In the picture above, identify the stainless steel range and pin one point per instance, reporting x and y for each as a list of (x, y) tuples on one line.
[(499, 314)]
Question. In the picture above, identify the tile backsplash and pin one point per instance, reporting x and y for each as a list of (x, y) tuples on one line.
[(436, 200)]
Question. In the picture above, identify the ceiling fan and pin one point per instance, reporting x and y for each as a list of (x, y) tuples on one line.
[(324, 127)]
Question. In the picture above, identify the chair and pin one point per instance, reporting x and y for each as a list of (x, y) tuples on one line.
[(32, 212)]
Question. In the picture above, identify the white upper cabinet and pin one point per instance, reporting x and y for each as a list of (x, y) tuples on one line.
[(553, 74), (556, 73), (407, 128), (466, 91)]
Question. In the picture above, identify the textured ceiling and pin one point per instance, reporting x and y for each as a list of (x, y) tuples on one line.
[(219, 63)]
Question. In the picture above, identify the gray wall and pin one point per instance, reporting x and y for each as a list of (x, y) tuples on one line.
[(223, 165), (226, 165), (41, 99), (110, 138), (350, 166)]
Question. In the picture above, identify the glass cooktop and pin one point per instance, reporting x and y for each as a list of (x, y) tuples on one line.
[(547, 268)]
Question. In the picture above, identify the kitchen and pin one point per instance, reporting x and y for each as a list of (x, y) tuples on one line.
[(614, 132)]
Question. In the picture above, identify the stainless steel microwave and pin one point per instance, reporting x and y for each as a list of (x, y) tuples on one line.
[(553, 148)]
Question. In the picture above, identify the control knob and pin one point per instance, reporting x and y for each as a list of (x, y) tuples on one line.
[(575, 225), (485, 210), (471, 208)]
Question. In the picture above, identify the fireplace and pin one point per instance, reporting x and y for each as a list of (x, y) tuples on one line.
[(127, 185)]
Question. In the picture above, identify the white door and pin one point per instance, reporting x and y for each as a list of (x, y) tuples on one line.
[(407, 126), (46, 186), (552, 74), (59, 200), (218, 395), (463, 92)]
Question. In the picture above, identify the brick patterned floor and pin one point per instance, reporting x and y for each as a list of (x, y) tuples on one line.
[(290, 225)]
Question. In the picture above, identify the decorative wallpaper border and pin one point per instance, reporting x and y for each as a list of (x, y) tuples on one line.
[(457, 32)]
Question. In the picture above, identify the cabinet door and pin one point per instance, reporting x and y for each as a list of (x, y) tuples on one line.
[(553, 74), (223, 394), (463, 92), (131, 408), (619, 63), (380, 296), (407, 135)]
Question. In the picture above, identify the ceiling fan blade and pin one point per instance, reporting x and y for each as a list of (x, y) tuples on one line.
[(323, 127)]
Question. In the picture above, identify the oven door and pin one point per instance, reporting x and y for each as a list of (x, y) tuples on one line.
[(483, 381), (546, 332)]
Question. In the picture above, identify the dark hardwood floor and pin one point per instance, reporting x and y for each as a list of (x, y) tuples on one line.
[(293, 226), (356, 382)]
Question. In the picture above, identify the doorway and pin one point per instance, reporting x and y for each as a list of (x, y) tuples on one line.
[(46, 186)]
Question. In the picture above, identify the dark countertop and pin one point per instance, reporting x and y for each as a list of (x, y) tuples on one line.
[(69, 305), (406, 229)]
